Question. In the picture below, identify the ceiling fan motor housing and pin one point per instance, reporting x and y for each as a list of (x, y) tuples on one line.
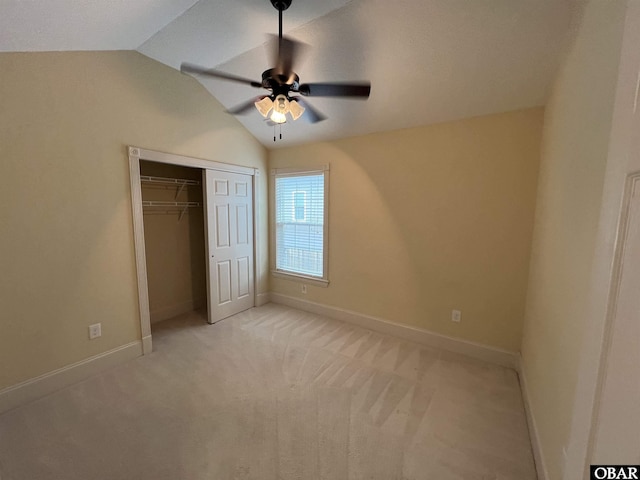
[(279, 83)]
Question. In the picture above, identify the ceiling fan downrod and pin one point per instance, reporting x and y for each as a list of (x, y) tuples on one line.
[(281, 6)]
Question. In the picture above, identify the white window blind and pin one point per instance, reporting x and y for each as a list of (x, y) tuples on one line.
[(300, 223)]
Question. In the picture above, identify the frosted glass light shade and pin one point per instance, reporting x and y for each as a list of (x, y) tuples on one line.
[(295, 109), (264, 106)]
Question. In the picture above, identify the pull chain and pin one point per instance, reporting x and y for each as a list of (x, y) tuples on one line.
[(279, 125)]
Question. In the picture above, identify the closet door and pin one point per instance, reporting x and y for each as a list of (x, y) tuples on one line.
[(229, 227)]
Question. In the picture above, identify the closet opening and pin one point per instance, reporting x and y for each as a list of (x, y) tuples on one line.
[(174, 238)]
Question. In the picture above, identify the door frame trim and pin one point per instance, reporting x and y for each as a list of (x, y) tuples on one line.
[(135, 155)]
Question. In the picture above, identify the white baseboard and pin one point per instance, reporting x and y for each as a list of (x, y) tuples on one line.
[(262, 299), (486, 353), (541, 467), (42, 385), (174, 310)]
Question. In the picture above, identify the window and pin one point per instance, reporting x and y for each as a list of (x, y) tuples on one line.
[(300, 220)]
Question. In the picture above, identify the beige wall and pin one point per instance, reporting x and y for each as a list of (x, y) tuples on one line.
[(174, 243), (574, 154), (430, 219), (66, 247)]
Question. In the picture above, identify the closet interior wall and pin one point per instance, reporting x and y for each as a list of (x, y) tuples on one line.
[(174, 239)]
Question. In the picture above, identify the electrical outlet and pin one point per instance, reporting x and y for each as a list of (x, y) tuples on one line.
[(304, 288), (456, 315), (95, 331)]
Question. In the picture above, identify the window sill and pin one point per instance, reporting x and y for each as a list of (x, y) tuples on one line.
[(320, 282)]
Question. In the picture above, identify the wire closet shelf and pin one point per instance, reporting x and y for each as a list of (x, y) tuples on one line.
[(168, 207)]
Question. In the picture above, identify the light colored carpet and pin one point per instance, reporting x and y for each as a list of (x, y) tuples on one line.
[(276, 394)]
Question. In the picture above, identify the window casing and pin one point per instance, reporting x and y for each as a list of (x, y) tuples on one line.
[(301, 201)]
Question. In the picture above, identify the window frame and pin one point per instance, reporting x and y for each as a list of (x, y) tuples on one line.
[(294, 276)]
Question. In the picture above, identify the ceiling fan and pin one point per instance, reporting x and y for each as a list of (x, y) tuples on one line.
[(282, 81)]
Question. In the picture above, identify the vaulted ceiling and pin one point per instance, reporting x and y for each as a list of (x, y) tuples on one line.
[(428, 60)]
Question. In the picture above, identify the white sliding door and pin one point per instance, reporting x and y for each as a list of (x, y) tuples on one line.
[(229, 243)]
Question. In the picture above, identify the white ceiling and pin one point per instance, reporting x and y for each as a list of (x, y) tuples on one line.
[(428, 60), (52, 25)]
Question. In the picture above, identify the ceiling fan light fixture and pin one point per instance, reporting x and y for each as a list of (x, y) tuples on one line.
[(264, 106), (295, 109), (281, 80)]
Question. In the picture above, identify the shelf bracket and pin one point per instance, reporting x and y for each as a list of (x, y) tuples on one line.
[(184, 210), (180, 189)]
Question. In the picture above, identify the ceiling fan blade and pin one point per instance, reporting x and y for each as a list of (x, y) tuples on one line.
[(286, 54), (210, 72), (358, 90), (311, 114), (245, 107)]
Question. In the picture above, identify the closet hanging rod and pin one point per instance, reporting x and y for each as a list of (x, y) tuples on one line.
[(168, 181)]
